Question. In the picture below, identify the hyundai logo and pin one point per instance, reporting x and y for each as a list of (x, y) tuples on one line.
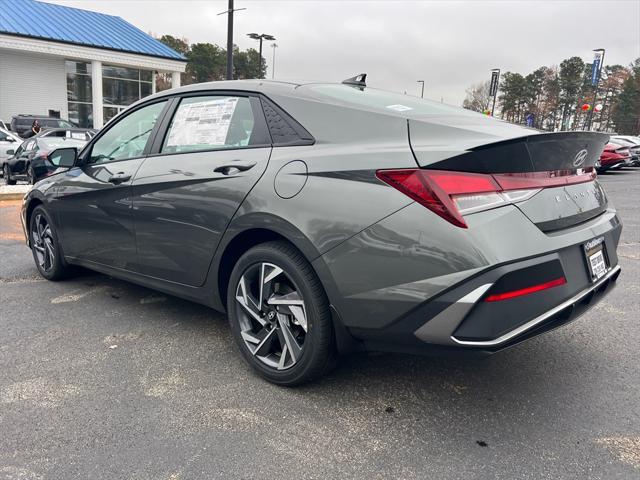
[(580, 158)]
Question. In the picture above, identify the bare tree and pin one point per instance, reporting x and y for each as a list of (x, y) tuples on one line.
[(478, 98)]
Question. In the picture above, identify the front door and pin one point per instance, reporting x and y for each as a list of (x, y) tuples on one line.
[(94, 200), (215, 150)]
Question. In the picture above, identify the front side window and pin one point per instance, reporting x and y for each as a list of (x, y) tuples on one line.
[(207, 123), (128, 136)]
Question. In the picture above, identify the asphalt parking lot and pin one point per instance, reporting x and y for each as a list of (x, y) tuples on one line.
[(104, 379)]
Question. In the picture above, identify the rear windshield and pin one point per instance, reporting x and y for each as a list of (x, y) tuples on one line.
[(384, 101)]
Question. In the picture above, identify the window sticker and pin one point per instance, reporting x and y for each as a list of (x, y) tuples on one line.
[(202, 123), (399, 108)]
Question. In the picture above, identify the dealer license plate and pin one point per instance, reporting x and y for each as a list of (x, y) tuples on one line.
[(596, 254)]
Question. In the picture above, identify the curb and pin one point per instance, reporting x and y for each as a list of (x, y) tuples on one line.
[(11, 196)]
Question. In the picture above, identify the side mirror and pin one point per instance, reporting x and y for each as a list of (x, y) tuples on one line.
[(10, 152), (64, 157)]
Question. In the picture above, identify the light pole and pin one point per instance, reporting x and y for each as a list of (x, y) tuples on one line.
[(422, 91), (596, 82), (260, 37), (273, 63), (229, 12)]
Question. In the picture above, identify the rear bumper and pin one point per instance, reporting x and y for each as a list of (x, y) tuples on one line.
[(458, 319), (557, 316)]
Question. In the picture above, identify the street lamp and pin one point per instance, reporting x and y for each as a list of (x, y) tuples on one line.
[(260, 37), (422, 92), (596, 82), (273, 63)]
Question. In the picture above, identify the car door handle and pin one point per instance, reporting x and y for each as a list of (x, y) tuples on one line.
[(119, 177), (234, 167)]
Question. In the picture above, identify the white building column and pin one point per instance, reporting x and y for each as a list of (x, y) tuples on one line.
[(96, 91), (175, 79), (153, 82)]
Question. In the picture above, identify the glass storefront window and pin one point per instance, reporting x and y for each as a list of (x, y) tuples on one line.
[(81, 114), (79, 93), (145, 89), (122, 86), (78, 67), (112, 71), (120, 92), (109, 112), (79, 88)]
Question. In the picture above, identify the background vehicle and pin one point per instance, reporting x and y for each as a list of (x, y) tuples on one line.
[(30, 160), (325, 218), (634, 147), (21, 124), (614, 155), (9, 143), (84, 134)]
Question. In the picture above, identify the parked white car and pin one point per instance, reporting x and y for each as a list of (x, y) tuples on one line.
[(9, 143)]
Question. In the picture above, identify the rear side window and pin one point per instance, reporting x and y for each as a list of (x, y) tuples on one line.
[(210, 122)]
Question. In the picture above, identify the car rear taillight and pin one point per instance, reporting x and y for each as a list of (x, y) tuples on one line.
[(454, 194)]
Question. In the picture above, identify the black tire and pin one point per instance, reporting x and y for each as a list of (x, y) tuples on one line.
[(7, 176), (318, 352), (54, 267)]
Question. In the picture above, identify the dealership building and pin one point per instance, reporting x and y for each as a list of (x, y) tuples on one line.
[(76, 64)]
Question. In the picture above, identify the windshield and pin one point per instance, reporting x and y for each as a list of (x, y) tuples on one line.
[(389, 102)]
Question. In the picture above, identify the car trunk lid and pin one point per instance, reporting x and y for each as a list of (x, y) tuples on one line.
[(519, 154)]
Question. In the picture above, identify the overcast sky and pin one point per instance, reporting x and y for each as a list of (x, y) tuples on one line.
[(449, 44)]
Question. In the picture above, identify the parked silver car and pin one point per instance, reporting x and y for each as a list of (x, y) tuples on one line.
[(9, 143)]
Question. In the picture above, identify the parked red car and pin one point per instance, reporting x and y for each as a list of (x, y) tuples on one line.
[(614, 155)]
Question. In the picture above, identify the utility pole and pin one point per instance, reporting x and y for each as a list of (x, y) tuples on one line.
[(273, 62), (422, 91), (595, 81), (229, 12)]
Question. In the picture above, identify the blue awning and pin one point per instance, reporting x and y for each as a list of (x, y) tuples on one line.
[(29, 18)]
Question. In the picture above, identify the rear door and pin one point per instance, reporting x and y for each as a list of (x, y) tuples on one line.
[(94, 200), (214, 149)]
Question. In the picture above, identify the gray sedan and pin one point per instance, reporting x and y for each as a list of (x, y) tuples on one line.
[(328, 218)]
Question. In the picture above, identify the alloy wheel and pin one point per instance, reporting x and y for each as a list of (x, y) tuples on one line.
[(272, 315), (6, 174), (42, 241)]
